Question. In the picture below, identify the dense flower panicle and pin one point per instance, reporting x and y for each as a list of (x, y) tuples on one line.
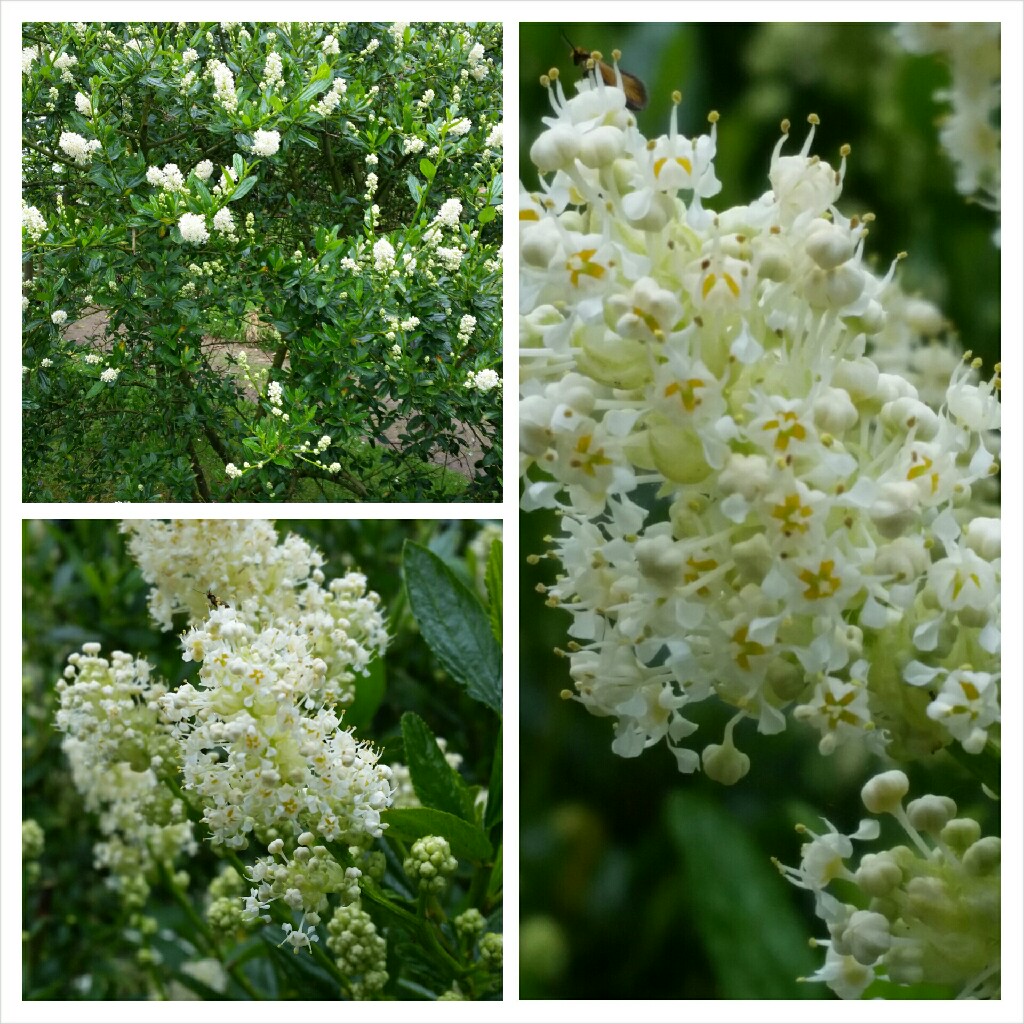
[(78, 148), (223, 84), (117, 744), (814, 510), (193, 228), (286, 763), (265, 143), (32, 221), (932, 907)]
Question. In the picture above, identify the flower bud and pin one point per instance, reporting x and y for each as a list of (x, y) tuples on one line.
[(883, 793)]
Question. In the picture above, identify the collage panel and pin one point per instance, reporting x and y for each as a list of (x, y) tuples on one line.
[(262, 760), (262, 261), (759, 421)]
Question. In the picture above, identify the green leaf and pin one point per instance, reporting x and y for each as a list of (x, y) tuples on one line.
[(95, 389), (493, 814), (244, 188), (436, 782), (495, 882), (415, 188), (369, 694), (486, 215), (238, 165), (492, 581), (468, 842), (454, 624), (754, 938), (427, 169)]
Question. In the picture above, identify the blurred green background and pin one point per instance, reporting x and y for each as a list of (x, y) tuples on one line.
[(636, 881), (79, 585)]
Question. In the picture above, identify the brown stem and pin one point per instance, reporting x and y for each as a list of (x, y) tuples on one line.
[(201, 485)]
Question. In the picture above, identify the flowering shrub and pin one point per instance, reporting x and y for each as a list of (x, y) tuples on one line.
[(751, 508), (243, 787), (339, 184)]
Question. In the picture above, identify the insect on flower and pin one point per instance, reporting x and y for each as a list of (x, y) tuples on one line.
[(635, 90), (215, 601)]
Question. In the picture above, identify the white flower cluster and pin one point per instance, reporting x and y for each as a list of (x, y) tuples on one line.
[(397, 33), (330, 100), (117, 746), (258, 737), (467, 325), (265, 143), (495, 137), (77, 148), (449, 213), (170, 178), (475, 62), (223, 84), (110, 375), (272, 71), (822, 538), (461, 126), (59, 317), (29, 55), (32, 221), (383, 255), (483, 380), (933, 905), (83, 104), (224, 221), (193, 228), (330, 46)]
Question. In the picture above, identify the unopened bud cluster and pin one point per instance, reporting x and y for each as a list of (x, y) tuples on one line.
[(926, 912), (430, 864)]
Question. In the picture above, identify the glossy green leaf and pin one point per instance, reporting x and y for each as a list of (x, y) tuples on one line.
[(436, 782), (244, 188), (369, 694), (454, 623), (467, 841)]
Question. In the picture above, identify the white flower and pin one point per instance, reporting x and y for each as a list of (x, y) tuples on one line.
[(265, 143), (77, 148), (272, 69), (449, 213), (494, 138), (330, 46), (223, 84), (169, 178), (189, 57), (460, 127), (193, 228), (224, 221), (412, 144), (109, 375), (483, 380), (83, 104), (332, 98), (203, 170), (58, 316), (46, 362), (383, 255), (28, 55), (32, 221), (232, 470)]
